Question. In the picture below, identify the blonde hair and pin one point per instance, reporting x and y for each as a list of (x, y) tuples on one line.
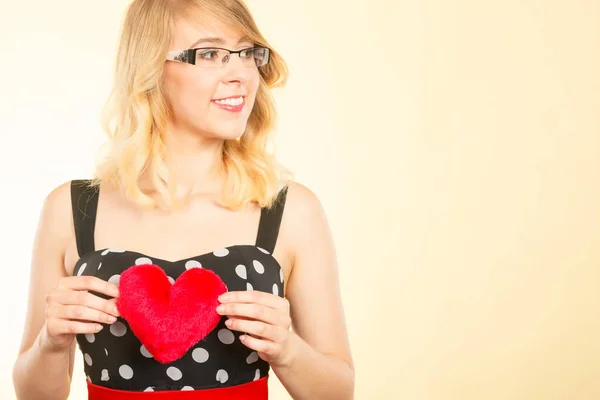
[(136, 112)]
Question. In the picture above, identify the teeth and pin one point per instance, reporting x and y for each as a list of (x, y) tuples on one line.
[(236, 101)]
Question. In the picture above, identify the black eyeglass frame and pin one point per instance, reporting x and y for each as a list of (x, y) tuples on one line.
[(189, 55)]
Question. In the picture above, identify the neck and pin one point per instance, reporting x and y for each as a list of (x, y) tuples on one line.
[(194, 163)]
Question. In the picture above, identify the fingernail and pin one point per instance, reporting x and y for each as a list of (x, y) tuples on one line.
[(223, 297), (116, 312), (112, 319), (99, 328), (220, 308), (228, 322)]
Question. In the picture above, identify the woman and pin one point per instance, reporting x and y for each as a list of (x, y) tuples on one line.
[(186, 187)]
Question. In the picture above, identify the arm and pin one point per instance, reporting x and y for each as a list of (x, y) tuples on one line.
[(320, 365), (39, 372)]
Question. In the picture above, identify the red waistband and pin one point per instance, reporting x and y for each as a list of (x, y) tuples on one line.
[(256, 390)]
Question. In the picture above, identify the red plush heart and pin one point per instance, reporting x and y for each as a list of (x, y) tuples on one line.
[(169, 319)]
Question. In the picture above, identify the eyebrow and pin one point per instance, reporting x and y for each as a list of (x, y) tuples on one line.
[(217, 40)]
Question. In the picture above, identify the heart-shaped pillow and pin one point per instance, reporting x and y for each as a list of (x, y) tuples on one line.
[(169, 318)]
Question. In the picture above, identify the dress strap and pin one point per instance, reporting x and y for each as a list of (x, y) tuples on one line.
[(84, 202), (270, 220)]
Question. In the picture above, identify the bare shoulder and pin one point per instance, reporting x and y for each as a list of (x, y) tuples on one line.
[(303, 217), (57, 208), (56, 218), (302, 202)]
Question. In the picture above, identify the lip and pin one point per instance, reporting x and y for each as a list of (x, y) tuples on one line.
[(231, 97), (230, 108)]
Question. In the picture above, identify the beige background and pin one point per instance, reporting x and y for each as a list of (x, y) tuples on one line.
[(454, 145)]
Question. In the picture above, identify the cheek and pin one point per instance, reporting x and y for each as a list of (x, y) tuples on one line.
[(254, 82), (252, 86), (189, 96), (193, 98)]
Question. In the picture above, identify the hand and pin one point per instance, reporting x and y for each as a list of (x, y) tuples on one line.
[(265, 319), (71, 309)]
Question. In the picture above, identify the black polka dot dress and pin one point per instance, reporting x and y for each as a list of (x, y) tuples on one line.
[(117, 362)]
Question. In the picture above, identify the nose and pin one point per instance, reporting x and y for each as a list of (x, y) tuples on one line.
[(235, 70)]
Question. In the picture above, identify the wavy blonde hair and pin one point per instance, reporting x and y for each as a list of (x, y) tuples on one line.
[(136, 112)]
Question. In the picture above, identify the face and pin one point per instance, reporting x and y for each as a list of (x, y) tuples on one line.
[(196, 93)]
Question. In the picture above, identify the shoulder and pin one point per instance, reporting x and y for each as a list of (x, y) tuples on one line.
[(55, 220), (58, 201), (304, 216), (301, 201)]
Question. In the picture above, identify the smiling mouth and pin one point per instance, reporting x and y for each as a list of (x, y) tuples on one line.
[(231, 101), (233, 104)]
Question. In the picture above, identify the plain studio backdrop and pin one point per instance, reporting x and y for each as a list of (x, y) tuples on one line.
[(454, 145)]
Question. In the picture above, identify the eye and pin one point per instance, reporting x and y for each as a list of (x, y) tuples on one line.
[(247, 53), (209, 54)]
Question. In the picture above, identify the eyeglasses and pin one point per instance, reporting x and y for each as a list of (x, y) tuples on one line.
[(215, 57)]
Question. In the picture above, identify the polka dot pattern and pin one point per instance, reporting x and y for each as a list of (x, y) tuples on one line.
[(143, 261), (221, 252), (193, 264), (226, 336), (252, 358), (81, 269), (174, 373), (240, 270), (200, 355), (116, 358), (145, 352), (126, 372), (263, 250), (113, 250), (258, 267), (118, 329), (222, 376), (115, 279)]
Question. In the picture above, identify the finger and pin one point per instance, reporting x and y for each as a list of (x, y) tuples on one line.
[(253, 311), (255, 296), (81, 313), (64, 327), (89, 283), (82, 298), (261, 345), (257, 328)]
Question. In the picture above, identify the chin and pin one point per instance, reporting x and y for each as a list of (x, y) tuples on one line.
[(222, 130), (229, 131), (228, 134)]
